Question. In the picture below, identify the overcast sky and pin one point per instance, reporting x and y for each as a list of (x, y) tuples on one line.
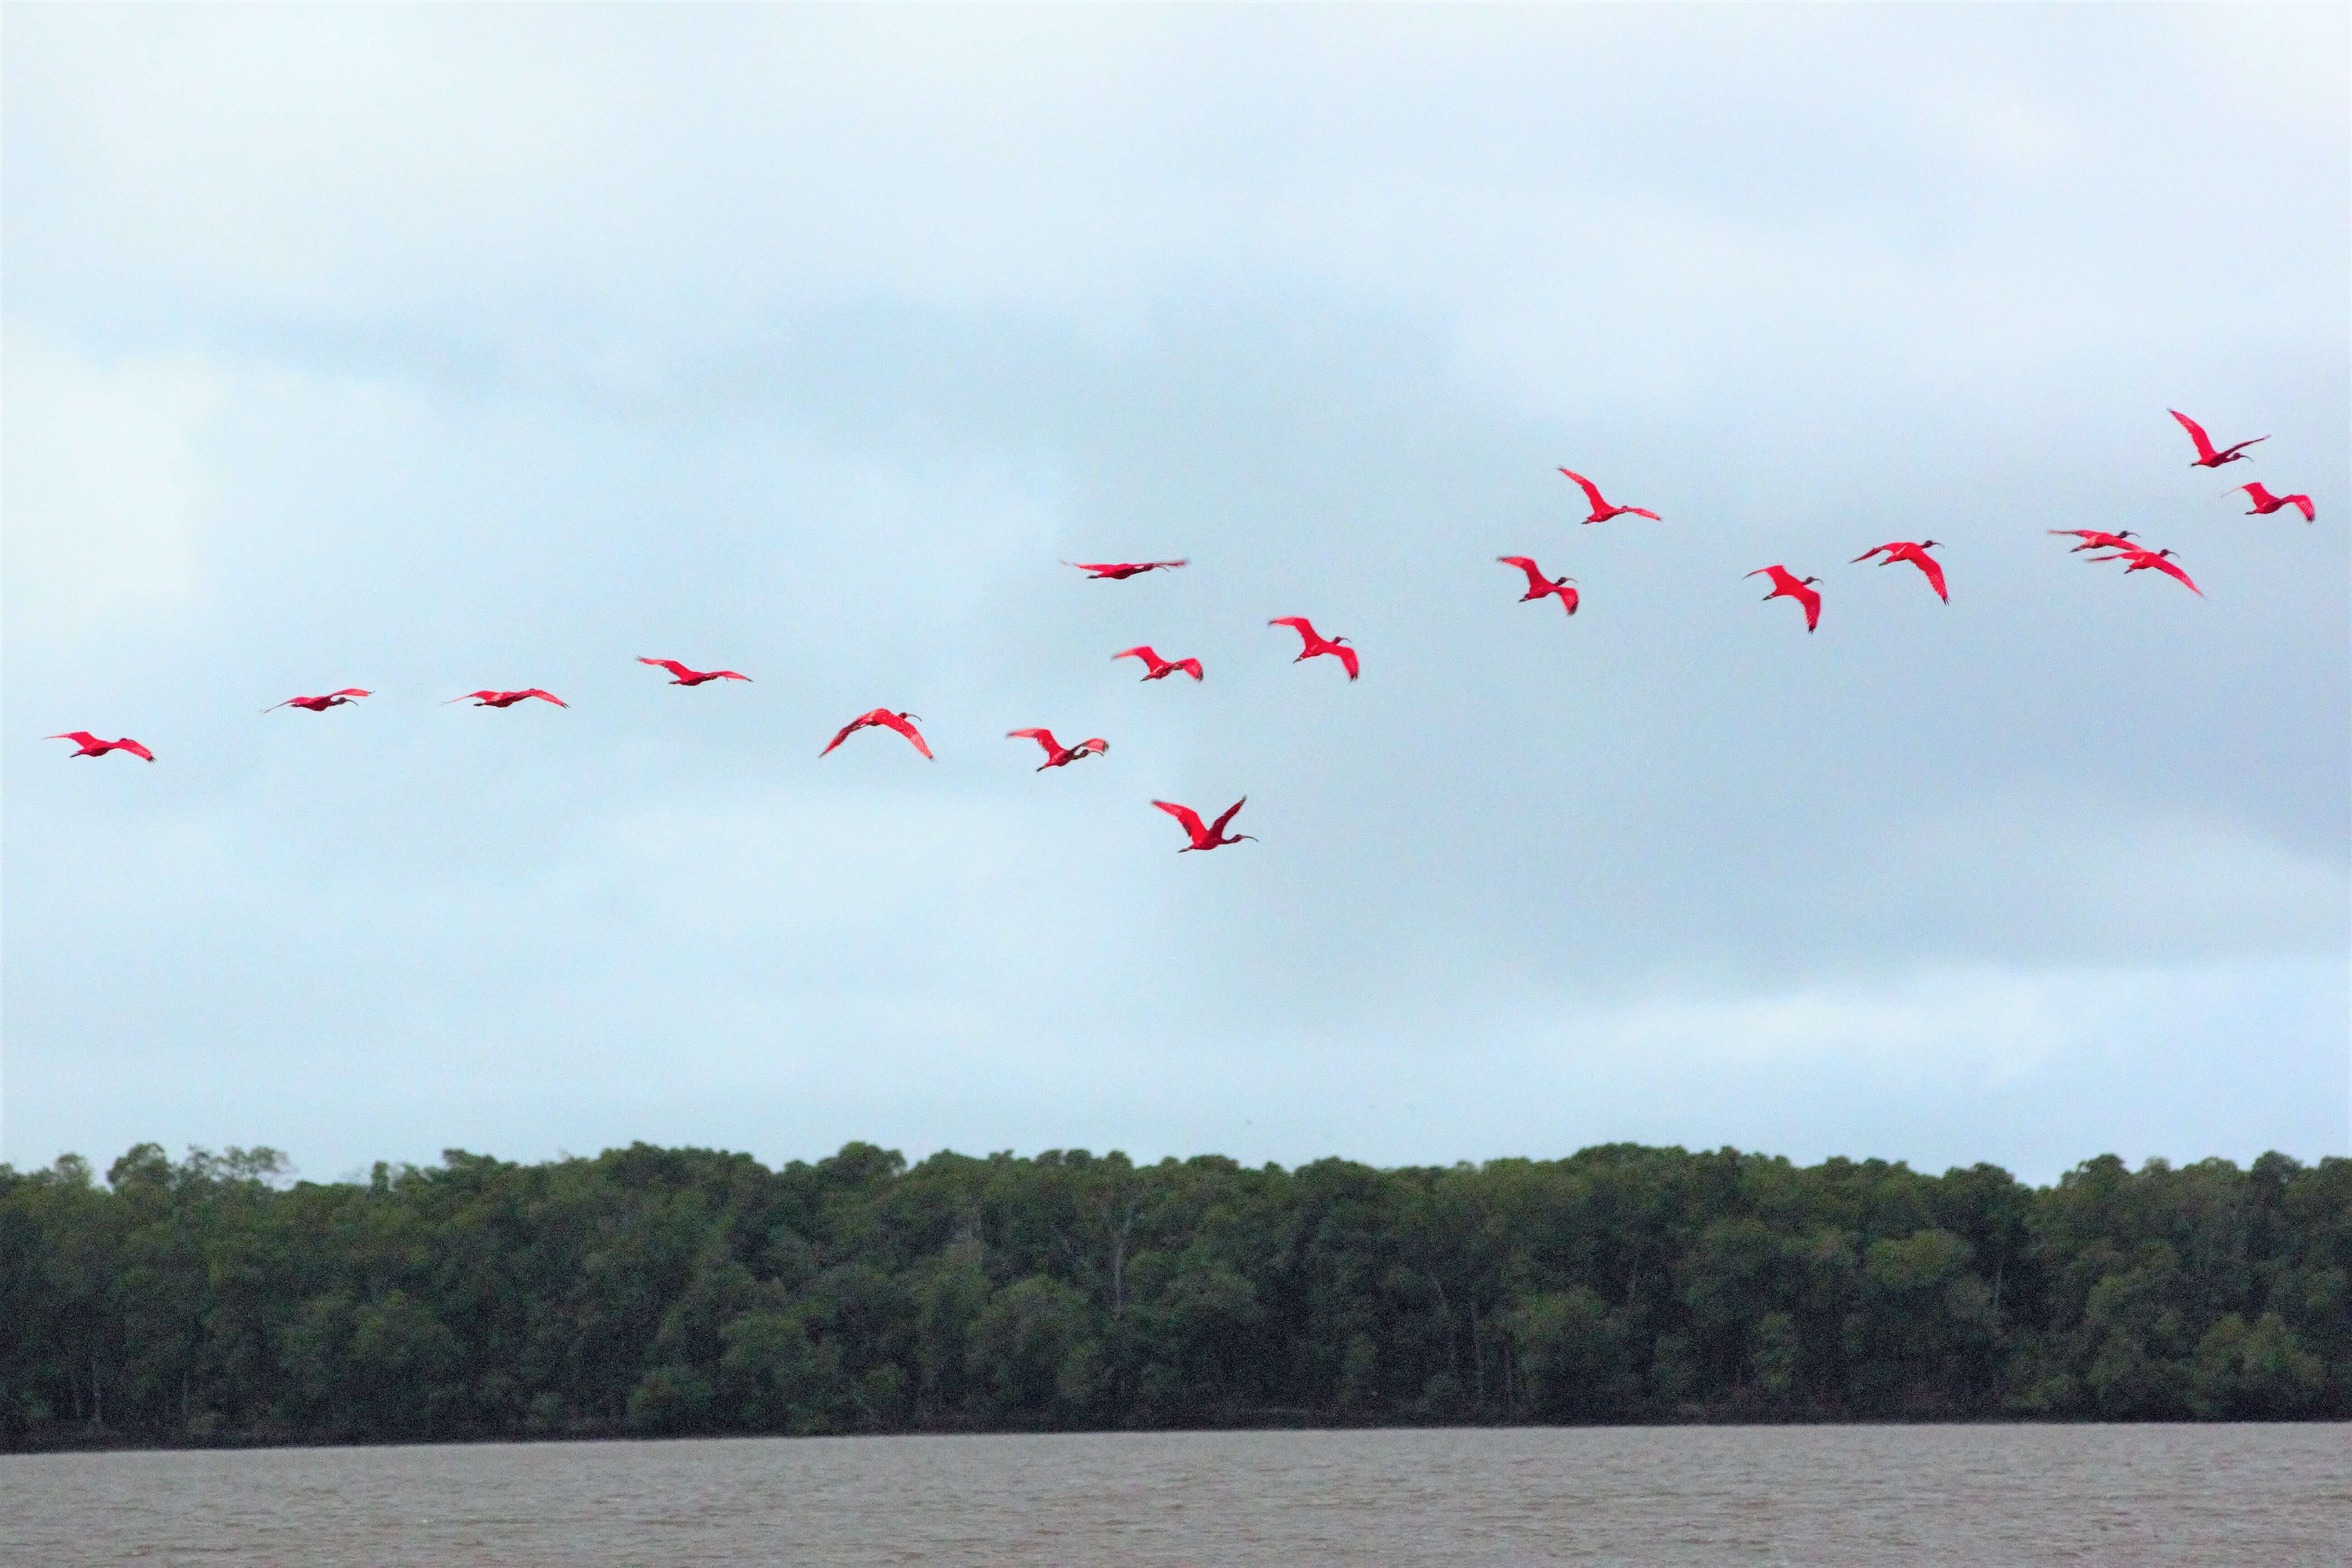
[(427, 349)]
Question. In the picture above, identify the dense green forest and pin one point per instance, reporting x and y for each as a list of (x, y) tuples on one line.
[(661, 1290)]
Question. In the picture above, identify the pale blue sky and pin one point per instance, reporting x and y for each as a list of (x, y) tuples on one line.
[(424, 349)]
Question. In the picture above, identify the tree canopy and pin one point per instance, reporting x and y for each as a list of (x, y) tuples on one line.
[(686, 1290)]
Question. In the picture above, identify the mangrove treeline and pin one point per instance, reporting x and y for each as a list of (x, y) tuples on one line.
[(661, 1290)]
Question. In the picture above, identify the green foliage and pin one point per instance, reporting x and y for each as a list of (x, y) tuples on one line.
[(2242, 1373), (1778, 1357), (1572, 1353), (686, 1290)]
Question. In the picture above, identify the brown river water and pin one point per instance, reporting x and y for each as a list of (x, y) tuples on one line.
[(2275, 1495)]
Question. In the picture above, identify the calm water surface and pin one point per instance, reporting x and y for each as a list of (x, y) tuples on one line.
[(1874, 1495)]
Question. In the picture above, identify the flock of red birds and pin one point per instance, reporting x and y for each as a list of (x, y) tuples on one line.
[(1212, 835)]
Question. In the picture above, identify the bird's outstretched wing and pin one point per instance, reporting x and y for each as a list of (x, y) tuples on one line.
[(1933, 568), (847, 731), (1189, 817), (1347, 656), (1642, 511), (484, 695), (352, 692), (1042, 737), (1150, 658), (80, 737), (1190, 666), (543, 696), (899, 722), (1217, 828), (2149, 558), (1591, 492), (2303, 504), (276, 706), (2196, 432), (1536, 581), (669, 664), (1299, 624), (1879, 550), (134, 748)]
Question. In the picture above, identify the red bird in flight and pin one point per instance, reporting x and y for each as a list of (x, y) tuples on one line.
[(1915, 553), (2207, 457), (888, 721), (1057, 755), (1795, 588), (691, 677), (1317, 644), (1209, 836), (2141, 560), (2093, 539), (1538, 586), (2266, 503), (1603, 510), (320, 704), (89, 745), (1120, 571), (1155, 667), (509, 699)]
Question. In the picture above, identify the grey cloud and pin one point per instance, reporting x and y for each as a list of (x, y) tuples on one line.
[(807, 346)]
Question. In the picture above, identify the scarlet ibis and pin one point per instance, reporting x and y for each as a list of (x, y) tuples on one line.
[(1155, 667), (692, 677), (1795, 588), (1211, 836), (1120, 571), (888, 721), (1603, 510), (2093, 539), (1540, 586), (1317, 643), (2207, 457), (320, 704), (1057, 755), (2141, 560), (1917, 555), (2266, 503), (509, 699), (90, 745)]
